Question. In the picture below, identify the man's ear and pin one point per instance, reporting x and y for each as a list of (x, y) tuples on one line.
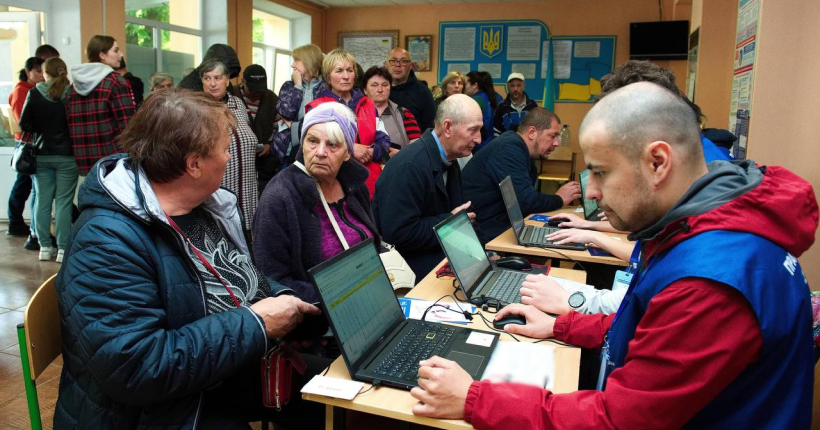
[(447, 127), (193, 166), (658, 158)]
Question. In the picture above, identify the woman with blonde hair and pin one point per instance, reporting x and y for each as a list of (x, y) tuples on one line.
[(44, 116), (453, 83), (372, 144), (305, 85)]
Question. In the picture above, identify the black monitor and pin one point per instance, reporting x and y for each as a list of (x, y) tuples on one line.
[(662, 40)]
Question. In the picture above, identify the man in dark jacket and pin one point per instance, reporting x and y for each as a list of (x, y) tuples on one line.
[(421, 185), (407, 91), (224, 53), (137, 86), (510, 112), (513, 154), (715, 330)]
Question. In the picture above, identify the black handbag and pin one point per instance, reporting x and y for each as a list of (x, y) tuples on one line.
[(24, 158)]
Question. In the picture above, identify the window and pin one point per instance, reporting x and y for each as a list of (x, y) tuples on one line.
[(272, 36), (162, 36)]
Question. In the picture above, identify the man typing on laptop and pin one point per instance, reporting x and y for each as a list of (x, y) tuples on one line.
[(697, 345)]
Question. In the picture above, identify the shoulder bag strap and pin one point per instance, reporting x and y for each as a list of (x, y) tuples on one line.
[(327, 208)]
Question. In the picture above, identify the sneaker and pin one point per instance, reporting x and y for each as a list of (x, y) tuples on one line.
[(20, 229), (46, 254), (32, 244), (60, 255)]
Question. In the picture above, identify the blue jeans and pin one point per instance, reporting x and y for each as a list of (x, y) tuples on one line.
[(54, 182), (17, 200)]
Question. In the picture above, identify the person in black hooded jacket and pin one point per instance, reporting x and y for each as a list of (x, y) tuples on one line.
[(224, 53)]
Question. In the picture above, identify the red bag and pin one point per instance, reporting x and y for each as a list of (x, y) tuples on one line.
[(278, 365)]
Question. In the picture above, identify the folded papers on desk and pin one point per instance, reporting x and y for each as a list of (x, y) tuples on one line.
[(522, 362)]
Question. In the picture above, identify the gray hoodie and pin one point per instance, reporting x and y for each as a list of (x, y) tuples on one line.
[(87, 76)]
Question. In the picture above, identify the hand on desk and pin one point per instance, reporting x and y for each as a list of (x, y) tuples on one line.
[(572, 220), (569, 192), (539, 325), (577, 235), (442, 390), (545, 294)]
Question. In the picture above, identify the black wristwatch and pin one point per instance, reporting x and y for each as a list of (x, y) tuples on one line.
[(576, 300)]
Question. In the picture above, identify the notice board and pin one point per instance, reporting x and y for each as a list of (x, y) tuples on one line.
[(500, 48), (579, 64)]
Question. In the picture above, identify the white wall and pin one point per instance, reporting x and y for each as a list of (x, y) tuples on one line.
[(214, 23), (63, 30)]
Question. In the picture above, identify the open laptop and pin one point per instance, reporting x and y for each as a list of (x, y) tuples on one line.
[(591, 209), (529, 235), (378, 344), (476, 276)]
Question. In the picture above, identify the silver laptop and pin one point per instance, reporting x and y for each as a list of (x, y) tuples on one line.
[(476, 276), (378, 344), (528, 235)]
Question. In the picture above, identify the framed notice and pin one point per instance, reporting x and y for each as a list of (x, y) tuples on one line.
[(369, 47), (419, 49)]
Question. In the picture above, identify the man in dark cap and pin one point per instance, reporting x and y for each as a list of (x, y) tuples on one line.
[(260, 103), (224, 53)]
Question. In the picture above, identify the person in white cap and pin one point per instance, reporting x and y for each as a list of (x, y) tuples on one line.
[(511, 111)]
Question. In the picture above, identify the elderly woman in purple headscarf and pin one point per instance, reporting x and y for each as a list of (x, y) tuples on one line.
[(308, 208)]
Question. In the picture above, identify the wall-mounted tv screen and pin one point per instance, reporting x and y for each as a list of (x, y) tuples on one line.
[(662, 40)]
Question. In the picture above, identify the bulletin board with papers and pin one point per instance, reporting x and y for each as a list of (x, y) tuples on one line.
[(499, 48), (579, 64)]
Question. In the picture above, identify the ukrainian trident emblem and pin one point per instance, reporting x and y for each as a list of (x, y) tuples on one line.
[(491, 36)]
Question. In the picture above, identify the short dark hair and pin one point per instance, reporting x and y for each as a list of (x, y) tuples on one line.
[(171, 125), (376, 71), (46, 51), (643, 71), (540, 118), (97, 45)]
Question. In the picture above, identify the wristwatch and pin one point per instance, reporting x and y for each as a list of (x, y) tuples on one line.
[(576, 300)]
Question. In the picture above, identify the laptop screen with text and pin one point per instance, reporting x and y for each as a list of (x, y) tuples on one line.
[(463, 249), (359, 299), (511, 202)]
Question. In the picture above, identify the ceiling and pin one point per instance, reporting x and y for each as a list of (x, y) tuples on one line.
[(361, 3)]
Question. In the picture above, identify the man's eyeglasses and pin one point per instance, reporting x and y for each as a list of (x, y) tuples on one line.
[(403, 61)]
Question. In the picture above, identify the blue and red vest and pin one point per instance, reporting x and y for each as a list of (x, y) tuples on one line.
[(774, 392)]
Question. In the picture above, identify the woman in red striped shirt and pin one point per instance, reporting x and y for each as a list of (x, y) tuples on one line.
[(400, 124)]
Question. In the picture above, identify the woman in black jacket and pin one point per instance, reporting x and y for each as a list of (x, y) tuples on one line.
[(44, 116)]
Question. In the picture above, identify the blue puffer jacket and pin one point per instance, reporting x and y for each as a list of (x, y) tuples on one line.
[(138, 348)]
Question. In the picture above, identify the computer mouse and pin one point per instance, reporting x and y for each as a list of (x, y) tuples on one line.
[(554, 222), (509, 319), (515, 263)]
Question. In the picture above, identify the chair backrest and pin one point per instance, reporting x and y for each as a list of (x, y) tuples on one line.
[(42, 325), (13, 126), (560, 166)]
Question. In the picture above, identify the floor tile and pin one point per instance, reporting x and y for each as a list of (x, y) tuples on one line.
[(16, 294)]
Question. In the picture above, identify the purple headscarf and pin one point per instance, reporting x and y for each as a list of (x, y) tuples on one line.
[(325, 113)]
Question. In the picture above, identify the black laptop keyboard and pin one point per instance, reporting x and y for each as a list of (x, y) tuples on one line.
[(507, 287), (422, 341), (538, 235)]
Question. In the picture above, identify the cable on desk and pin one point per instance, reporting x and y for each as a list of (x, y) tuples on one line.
[(557, 342), (375, 384), (559, 253)]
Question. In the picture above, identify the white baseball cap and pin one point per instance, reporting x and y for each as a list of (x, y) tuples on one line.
[(515, 75)]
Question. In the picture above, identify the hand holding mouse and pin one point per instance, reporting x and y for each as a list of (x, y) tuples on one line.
[(539, 325)]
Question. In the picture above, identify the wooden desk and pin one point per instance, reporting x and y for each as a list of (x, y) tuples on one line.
[(505, 243), (398, 404)]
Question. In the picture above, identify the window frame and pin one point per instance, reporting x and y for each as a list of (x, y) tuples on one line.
[(158, 26)]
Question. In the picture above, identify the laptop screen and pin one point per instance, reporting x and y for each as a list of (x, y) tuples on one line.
[(463, 249), (590, 206), (359, 298), (511, 202)]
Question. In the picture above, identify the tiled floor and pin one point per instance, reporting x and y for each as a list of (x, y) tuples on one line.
[(21, 273)]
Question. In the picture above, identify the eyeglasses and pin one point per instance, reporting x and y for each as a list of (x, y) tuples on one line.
[(403, 61)]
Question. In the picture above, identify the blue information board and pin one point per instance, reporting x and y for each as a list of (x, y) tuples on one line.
[(580, 63), (499, 48)]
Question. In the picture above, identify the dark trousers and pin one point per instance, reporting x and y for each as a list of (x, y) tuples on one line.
[(17, 199)]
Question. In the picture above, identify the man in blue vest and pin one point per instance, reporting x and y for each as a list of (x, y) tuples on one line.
[(714, 332)]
